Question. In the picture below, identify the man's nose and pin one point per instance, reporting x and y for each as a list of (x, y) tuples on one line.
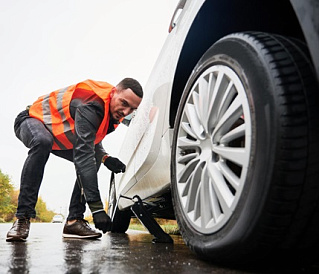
[(127, 111)]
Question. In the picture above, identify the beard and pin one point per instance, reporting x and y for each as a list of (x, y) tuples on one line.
[(117, 115)]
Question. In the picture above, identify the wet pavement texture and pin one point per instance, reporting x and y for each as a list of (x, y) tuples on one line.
[(45, 251)]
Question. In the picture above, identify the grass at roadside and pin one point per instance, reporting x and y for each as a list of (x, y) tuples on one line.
[(169, 226)]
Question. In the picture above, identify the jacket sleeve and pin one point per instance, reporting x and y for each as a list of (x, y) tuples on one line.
[(88, 118), (99, 150)]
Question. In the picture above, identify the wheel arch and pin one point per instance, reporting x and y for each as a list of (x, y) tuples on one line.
[(217, 19)]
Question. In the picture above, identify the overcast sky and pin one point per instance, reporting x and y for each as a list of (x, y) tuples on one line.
[(47, 45)]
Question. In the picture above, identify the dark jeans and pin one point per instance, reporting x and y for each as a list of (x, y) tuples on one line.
[(39, 140)]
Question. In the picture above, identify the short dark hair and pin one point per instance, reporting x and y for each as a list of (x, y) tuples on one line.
[(132, 84)]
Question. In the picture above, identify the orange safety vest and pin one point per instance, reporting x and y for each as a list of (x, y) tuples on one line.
[(53, 110)]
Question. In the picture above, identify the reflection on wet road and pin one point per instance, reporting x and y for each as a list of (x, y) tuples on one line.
[(47, 252)]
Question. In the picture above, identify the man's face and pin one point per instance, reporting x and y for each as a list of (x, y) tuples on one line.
[(123, 102)]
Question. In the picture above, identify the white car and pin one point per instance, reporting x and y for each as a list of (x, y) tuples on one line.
[(57, 219), (226, 139)]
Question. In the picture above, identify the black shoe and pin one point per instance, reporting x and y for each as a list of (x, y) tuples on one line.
[(19, 231), (80, 229)]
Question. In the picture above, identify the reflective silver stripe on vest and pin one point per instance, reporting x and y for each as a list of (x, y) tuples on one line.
[(47, 117), (66, 125)]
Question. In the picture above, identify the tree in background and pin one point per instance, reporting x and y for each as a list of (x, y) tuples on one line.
[(6, 192), (43, 214), (14, 203), (9, 202)]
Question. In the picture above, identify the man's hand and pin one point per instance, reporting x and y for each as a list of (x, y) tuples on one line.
[(114, 164), (102, 221)]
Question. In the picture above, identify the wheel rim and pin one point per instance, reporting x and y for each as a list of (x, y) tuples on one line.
[(213, 149)]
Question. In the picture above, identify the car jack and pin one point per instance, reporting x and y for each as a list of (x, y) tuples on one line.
[(149, 222)]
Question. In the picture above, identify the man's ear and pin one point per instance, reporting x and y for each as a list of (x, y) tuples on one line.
[(112, 92)]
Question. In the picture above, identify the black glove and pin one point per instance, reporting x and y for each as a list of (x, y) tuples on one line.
[(102, 221), (114, 164)]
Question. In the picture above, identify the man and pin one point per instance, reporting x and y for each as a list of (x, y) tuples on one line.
[(71, 123)]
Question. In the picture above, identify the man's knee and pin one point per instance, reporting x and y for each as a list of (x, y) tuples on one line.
[(43, 142), (33, 134)]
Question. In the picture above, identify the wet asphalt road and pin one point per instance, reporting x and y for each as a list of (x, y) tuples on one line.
[(47, 252)]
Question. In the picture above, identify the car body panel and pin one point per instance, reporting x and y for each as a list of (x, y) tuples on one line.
[(308, 14), (146, 149), (141, 153)]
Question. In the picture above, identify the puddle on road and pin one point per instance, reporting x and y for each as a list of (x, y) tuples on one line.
[(47, 252)]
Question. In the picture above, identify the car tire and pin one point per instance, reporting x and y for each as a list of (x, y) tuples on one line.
[(244, 166), (120, 219)]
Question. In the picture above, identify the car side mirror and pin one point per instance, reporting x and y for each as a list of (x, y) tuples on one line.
[(127, 119)]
